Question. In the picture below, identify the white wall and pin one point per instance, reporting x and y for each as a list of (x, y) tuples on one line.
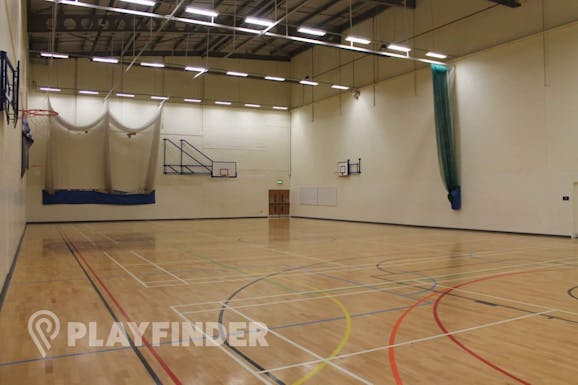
[(257, 139), (518, 134), (13, 40)]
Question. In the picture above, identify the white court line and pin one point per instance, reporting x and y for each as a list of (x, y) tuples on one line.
[(258, 246), (415, 341), (352, 293), (310, 270), (302, 348), (85, 237), (256, 374), (101, 234), (390, 285), (125, 269), (302, 271), (159, 267)]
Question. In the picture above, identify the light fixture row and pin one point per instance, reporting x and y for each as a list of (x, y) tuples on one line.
[(356, 42), (165, 98), (198, 70), (267, 23)]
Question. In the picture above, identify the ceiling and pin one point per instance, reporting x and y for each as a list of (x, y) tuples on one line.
[(99, 32)]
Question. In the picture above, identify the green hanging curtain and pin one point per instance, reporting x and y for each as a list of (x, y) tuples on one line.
[(445, 134)]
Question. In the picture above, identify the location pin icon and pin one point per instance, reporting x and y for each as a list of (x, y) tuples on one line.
[(43, 327)]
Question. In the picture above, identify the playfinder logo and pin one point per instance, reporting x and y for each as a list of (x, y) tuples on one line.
[(44, 328)]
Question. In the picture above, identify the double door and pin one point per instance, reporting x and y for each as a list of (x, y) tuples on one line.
[(279, 202)]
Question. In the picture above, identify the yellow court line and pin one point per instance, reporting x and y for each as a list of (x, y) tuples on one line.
[(337, 350)]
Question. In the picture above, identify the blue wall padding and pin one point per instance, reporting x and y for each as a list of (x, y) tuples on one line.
[(455, 198), (84, 197)]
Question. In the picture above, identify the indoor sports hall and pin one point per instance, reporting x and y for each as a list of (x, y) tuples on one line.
[(288, 192)]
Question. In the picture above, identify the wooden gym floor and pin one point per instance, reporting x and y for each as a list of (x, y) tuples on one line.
[(345, 303)]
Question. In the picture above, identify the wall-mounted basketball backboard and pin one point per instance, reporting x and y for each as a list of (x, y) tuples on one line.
[(9, 87)]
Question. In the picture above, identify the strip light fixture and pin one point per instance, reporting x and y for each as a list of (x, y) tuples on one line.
[(238, 74), (155, 65), (258, 21), (196, 69), (251, 105), (436, 55), (121, 95), (202, 12), (50, 89), (54, 55), (223, 103), (355, 39), (110, 60), (274, 78), (280, 108), (338, 87), (159, 97), (399, 48), (148, 3), (192, 100), (87, 92), (311, 31), (308, 83)]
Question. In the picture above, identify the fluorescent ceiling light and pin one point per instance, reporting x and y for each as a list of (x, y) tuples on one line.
[(360, 40), (257, 21), (280, 108), (54, 55), (159, 97), (148, 3), (196, 69), (400, 48), (239, 74), (338, 87), (431, 62), (105, 60), (125, 95), (203, 12), (192, 100), (155, 65), (275, 78), (50, 89), (252, 105), (309, 83), (86, 92), (223, 103), (436, 55), (311, 31)]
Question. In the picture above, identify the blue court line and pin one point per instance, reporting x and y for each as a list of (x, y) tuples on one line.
[(285, 326)]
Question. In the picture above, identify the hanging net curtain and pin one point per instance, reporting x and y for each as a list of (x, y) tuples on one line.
[(104, 155), (445, 135)]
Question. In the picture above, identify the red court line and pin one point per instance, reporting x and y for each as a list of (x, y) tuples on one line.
[(393, 334), (459, 343), (394, 331), (159, 359)]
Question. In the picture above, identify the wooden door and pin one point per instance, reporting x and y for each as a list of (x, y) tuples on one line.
[(279, 202)]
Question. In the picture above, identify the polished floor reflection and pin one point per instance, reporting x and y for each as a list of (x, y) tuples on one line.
[(343, 303)]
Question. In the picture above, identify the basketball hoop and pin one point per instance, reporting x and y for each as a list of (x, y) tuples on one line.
[(37, 112)]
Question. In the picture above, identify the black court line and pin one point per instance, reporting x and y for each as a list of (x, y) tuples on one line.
[(140, 356), (222, 313), (11, 271), (571, 292)]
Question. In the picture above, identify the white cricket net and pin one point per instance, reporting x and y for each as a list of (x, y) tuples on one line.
[(104, 155)]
